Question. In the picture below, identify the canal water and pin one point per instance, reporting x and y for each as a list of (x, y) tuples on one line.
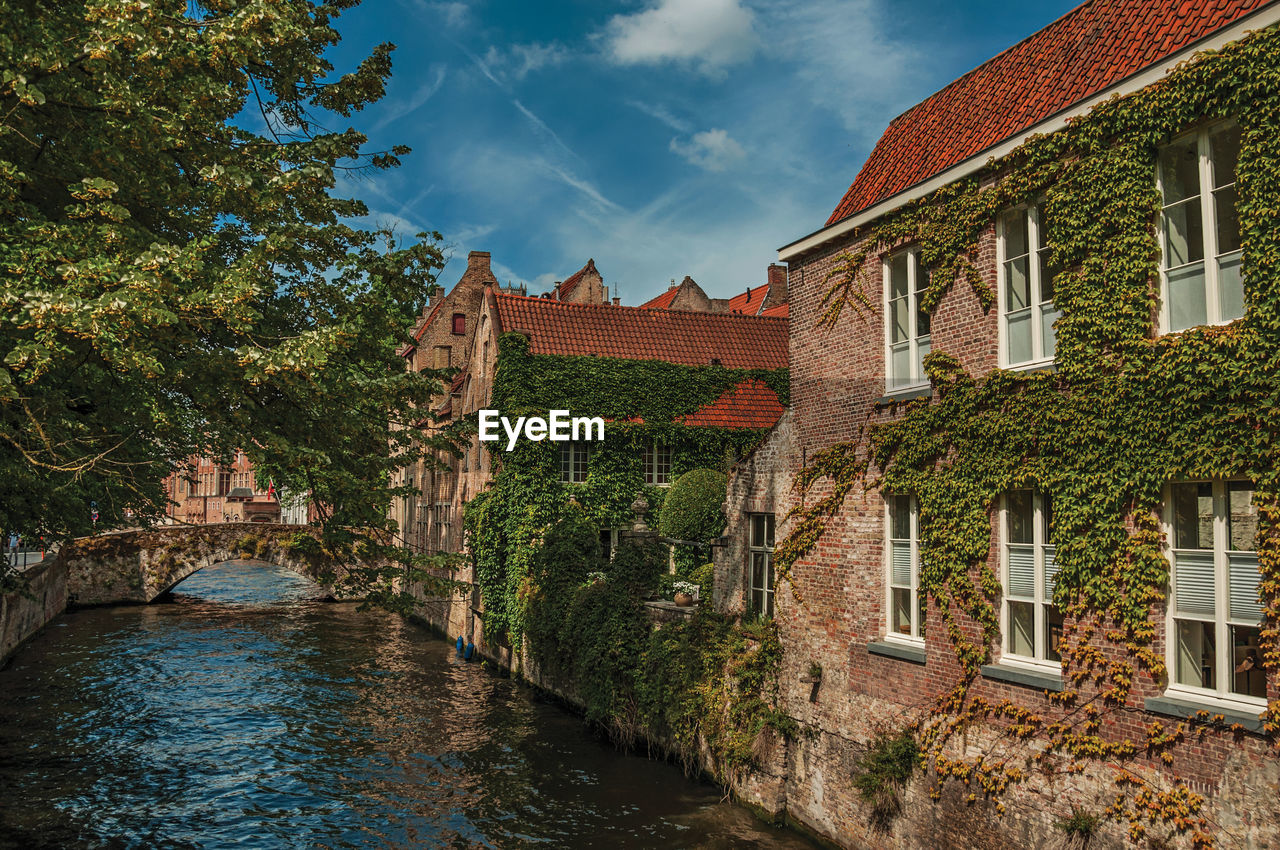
[(248, 712)]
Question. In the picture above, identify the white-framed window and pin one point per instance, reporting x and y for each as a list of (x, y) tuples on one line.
[(906, 332), (1025, 296), (1214, 634), (760, 553), (573, 462), (903, 600), (1200, 229), (657, 464), (1032, 623)]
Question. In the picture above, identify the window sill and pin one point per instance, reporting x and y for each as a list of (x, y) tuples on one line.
[(905, 394), (1050, 365), (1046, 680), (1185, 706), (901, 651)]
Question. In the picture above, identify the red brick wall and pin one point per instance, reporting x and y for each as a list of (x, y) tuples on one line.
[(835, 606)]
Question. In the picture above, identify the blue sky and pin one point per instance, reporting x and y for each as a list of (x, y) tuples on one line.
[(662, 138)]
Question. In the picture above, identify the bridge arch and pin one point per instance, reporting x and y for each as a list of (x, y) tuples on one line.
[(142, 564)]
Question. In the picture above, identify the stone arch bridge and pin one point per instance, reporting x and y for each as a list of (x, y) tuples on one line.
[(142, 564)]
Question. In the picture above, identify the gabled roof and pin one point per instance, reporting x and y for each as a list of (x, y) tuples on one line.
[(749, 302), (420, 330), (571, 282), (1083, 53), (749, 404), (637, 333), (783, 310), (663, 301)]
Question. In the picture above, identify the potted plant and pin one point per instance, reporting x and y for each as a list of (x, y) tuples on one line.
[(686, 594)]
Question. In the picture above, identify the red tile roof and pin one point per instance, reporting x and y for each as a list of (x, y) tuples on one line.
[(783, 310), (750, 404), (571, 282), (749, 302), (1088, 50), (637, 333), (663, 301)]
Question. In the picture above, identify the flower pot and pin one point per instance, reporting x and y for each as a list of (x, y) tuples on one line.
[(684, 600)]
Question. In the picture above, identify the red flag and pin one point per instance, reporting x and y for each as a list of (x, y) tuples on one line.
[(271, 490)]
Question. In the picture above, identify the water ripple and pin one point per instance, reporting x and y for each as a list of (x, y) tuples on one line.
[(250, 712)]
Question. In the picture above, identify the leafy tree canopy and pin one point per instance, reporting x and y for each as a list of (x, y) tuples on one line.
[(694, 509), (177, 274)]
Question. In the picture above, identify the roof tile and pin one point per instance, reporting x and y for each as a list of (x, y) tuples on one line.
[(1088, 50), (638, 333), (749, 404)]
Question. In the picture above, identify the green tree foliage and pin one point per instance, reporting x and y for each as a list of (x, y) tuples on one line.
[(177, 274), (694, 509)]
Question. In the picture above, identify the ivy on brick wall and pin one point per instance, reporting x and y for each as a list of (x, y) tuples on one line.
[(1125, 412), (639, 399), (706, 685)]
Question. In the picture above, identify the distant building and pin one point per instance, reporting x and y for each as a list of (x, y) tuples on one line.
[(205, 491)]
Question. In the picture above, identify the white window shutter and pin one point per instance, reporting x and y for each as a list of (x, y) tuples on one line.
[(1022, 572), (1050, 572), (1244, 587), (1193, 582), (902, 564)]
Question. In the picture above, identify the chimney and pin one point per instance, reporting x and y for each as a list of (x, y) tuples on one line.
[(777, 284), (478, 261), (617, 300)]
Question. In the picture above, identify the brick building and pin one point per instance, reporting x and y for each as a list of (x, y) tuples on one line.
[(206, 491), (856, 612)]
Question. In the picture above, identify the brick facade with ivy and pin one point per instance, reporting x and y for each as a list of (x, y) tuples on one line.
[(1041, 714)]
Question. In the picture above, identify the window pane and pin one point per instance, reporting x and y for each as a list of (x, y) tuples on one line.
[(1224, 205), (901, 362), (898, 276), (1015, 234), (757, 530), (768, 603), (922, 351), (1018, 336), (757, 600), (768, 531), (1224, 151), (1046, 279), (1020, 516), (922, 287), (1249, 678), (1187, 307), (1017, 290), (1053, 633), (1022, 629), (1048, 333), (900, 517), (901, 622), (899, 320), (1230, 288), (1242, 517), (1196, 659), (1193, 516), (1183, 234), (757, 569), (1180, 171)]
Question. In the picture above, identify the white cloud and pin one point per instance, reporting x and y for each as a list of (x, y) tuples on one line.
[(660, 112), (397, 110), (713, 150), (519, 60), (844, 60), (707, 34)]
